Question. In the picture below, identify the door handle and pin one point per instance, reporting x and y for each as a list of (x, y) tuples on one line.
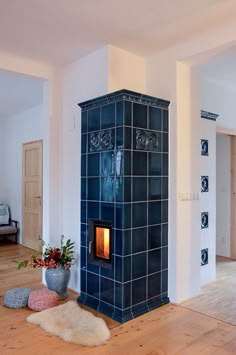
[(90, 247)]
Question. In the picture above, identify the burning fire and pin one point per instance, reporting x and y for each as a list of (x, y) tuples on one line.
[(103, 242)]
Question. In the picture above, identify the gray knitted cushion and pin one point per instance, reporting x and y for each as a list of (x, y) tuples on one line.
[(17, 297)]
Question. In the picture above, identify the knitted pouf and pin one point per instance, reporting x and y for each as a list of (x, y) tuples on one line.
[(17, 297), (42, 299)]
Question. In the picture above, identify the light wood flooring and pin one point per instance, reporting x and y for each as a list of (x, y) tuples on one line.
[(218, 299), (170, 329)]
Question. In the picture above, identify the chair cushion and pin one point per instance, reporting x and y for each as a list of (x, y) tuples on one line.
[(17, 297), (4, 230), (42, 299), (4, 214)]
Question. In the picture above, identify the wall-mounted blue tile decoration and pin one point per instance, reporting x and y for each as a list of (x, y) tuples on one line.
[(204, 220), (124, 169), (204, 147), (204, 257), (204, 183)]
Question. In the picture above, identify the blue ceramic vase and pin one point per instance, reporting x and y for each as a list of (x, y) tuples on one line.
[(57, 279)]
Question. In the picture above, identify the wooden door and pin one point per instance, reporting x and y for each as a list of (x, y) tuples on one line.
[(32, 194)]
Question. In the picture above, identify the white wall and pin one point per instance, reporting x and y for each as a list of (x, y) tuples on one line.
[(208, 199), (223, 197), (1, 159), (18, 129), (219, 99)]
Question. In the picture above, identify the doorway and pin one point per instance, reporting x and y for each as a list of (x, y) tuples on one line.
[(32, 193)]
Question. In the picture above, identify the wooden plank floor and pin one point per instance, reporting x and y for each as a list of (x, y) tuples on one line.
[(168, 330), (218, 299)]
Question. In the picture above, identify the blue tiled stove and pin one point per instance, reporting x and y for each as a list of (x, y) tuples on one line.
[(124, 188)]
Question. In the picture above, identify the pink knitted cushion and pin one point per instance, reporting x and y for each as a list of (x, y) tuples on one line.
[(42, 299)]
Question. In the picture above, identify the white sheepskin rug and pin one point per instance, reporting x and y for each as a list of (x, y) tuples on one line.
[(73, 324)]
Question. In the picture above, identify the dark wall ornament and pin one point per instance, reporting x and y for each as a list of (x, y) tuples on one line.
[(204, 183), (101, 140), (204, 220), (204, 147), (147, 140), (204, 257)]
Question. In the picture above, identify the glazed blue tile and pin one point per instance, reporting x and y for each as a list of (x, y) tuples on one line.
[(119, 268), (154, 188), (93, 164), (164, 234), (164, 212), (127, 268), (127, 162), (155, 164), (164, 281), (154, 212), (93, 284), (118, 242), (84, 124), (154, 237), (140, 309), (83, 164), (155, 118), (139, 185), (119, 144), (94, 119), (164, 258), (127, 138), (83, 233), (83, 257), (107, 290), (127, 113), (122, 316), (118, 163), (108, 116), (139, 163), (107, 212), (127, 295), (108, 189), (165, 142), (83, 210), (93, 210), (164, 188), (91, 267), (92, 302), (83, 283), (118, 185), (154, 261), (165, 121), (106, 309), (139, 290), (139, 265), (119, 216), (119, 113), (154, 285), (118, 295), (93, 189), (127, 215), (110, 273), (139, 240), (155, 302), (126, 242), (127, 189), (139, 214), (83, 189), (165, 167), (139, 115), (107, 164), (84, 143)]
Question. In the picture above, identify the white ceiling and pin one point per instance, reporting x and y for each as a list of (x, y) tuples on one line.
[(18, 93), (61, 31)]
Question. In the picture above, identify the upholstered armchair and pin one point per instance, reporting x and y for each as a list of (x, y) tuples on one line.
[(8, 226)]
